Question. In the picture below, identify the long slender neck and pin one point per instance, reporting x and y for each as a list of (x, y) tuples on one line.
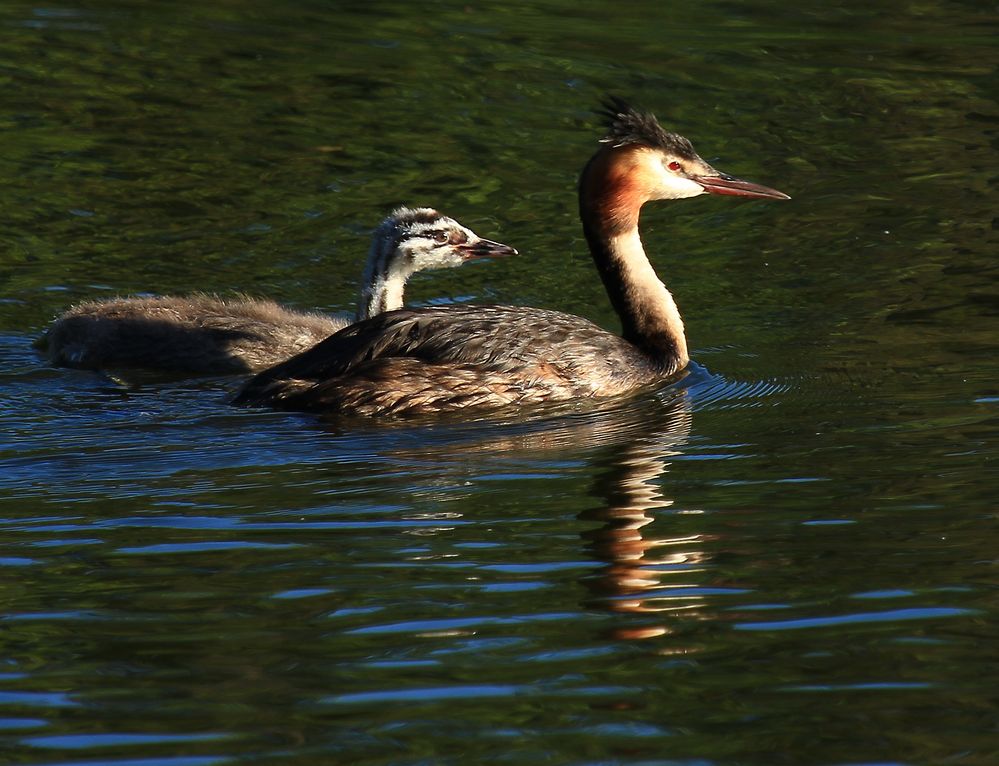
[(611, 194), (384, 281)]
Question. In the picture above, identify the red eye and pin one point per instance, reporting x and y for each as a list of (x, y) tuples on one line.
[(675, 166)]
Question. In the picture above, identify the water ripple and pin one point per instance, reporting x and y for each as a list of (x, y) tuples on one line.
[(928, 613), (711, 390), (463, 623), (478, 691), (87, 741), (37, 699)]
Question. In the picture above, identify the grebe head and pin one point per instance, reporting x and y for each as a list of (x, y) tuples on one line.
[(415, 239), (641, 162), (422, 238)]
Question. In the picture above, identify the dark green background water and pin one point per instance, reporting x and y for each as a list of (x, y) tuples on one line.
[(789, 558)]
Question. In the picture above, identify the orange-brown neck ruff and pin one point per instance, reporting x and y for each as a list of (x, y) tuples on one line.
[(614, 186)]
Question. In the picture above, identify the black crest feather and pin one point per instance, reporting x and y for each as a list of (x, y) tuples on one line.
[(626, 126)]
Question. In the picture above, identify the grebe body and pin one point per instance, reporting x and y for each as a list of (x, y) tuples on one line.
[(213, 335), (451, 357), (437, 359)]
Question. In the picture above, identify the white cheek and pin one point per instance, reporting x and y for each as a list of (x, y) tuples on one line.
[(674, 187)]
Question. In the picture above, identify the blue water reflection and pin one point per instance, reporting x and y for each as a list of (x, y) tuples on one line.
[(785, 557)]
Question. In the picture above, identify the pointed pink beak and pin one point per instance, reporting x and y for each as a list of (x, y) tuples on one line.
[(723, 184), (485, 248)]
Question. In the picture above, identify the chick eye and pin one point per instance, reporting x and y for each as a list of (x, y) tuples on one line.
[(440, 237), (675, 166)]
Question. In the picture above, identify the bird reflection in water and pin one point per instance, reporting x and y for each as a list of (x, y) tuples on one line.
[(638, 562), (632, 445)]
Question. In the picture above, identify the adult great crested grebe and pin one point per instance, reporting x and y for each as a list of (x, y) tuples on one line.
[(211, 335), (447, 358)]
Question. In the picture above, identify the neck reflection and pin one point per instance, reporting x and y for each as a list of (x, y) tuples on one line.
[(645, 571)]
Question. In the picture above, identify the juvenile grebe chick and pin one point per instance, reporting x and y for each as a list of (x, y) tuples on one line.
[(212, 335), (446, 358)]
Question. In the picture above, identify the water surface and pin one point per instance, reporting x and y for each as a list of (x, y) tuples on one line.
[(788, 557)]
